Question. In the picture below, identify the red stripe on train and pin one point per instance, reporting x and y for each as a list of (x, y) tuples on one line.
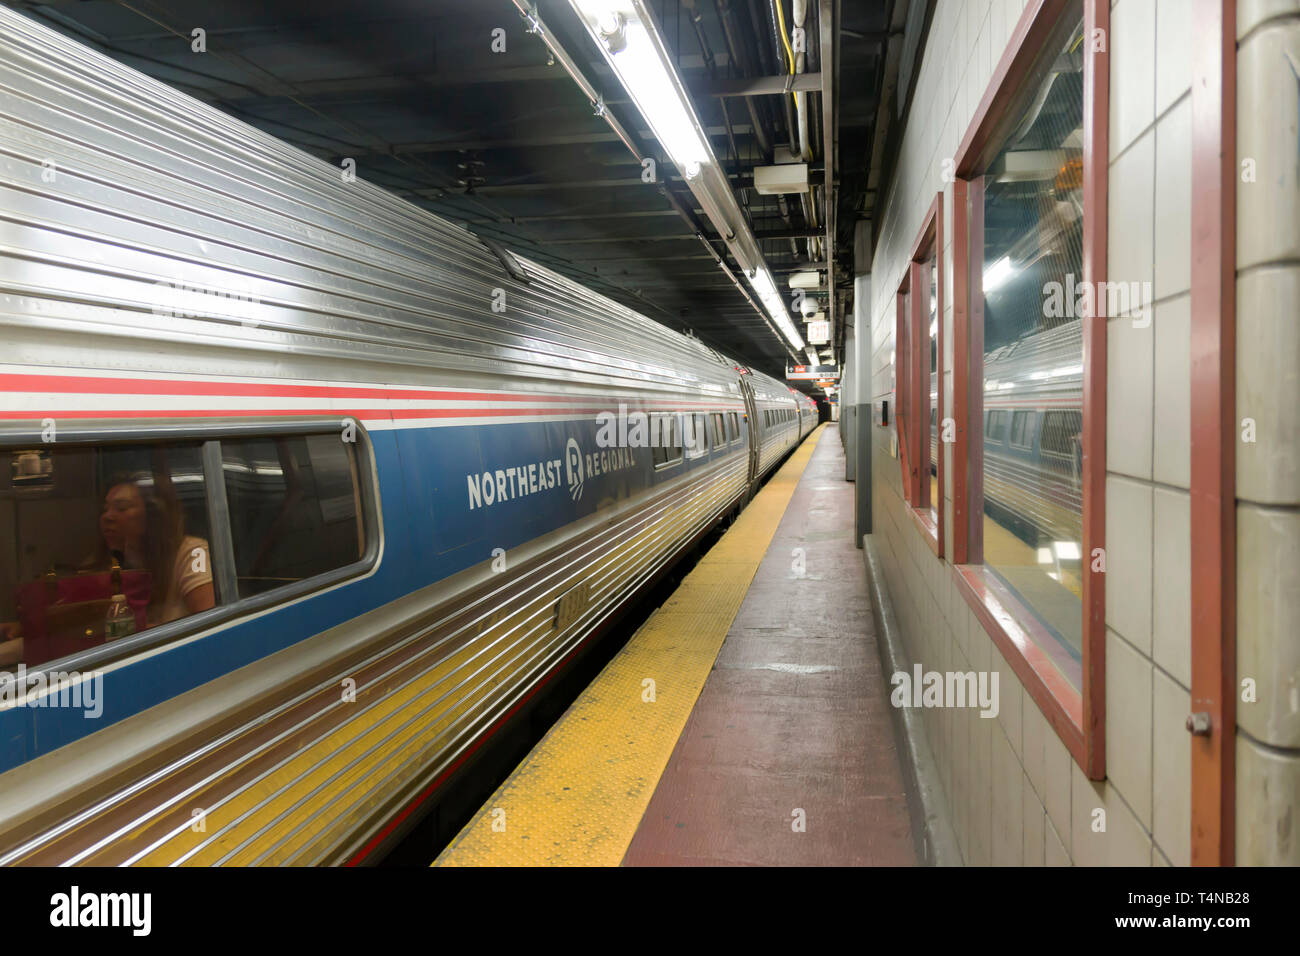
[(63, 384)]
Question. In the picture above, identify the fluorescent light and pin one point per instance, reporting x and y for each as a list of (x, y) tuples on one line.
[(996, 275), (622, 36), (1044, 556), (765, 288), (629, 37)]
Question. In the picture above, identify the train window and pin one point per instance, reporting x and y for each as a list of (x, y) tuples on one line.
[(1028, 526), (719, 430), (733, 426), (666, 439), (100, 543), (1022, 433), (995, 429), (1062, 439), (295, 508), (697, 435)]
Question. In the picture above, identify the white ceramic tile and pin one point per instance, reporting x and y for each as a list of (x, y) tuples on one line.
[(1268, 790), (1128, 725), (1035, 826), (1128, 560), (1268, 607), (1171, 808), (1130, 249), (1268, 385), (1122, 842), (1251, 13), (1268, 100), (1172, 459), (1130, 362), (1173, 216), (1008, 822), (1058, 772), (1054, 850), (1132, 72), (1171, 611), (1173, 45), (1034, 728)]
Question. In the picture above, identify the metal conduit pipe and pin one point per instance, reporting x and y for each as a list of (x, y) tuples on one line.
[(774, 24), (800, 14), (725, 15), (710, 63), (730, 27)]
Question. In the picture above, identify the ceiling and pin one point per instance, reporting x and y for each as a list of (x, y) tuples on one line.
[(422, 96)]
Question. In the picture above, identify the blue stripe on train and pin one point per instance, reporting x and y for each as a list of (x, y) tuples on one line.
[(431, 532)]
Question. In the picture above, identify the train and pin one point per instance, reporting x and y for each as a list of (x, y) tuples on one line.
[(1032, 434), (309, 489)]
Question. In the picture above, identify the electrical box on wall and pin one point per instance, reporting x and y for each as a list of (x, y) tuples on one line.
[(790, 178)]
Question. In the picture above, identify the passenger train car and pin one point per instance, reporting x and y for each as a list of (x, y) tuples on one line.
[(308, 489), (1033, 423)]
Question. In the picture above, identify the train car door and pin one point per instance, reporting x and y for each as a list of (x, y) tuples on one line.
[(754, 437)]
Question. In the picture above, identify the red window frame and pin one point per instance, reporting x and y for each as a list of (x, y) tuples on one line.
[(928, 242), (902, 386), (1077, 715)]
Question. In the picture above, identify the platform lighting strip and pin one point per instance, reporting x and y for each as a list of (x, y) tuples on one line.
[(625, 32)]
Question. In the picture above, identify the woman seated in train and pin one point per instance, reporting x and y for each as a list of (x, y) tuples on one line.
[(142, 552)]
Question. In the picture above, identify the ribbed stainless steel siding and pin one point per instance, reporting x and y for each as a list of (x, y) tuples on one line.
[(151, 186)]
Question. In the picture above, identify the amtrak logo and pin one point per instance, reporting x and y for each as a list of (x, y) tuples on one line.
[(499, 485), (573, 468)]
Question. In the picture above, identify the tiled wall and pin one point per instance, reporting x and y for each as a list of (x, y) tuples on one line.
[(1268, 469), (1015, 794)]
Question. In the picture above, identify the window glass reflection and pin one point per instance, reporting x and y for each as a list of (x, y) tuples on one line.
[(1033, 358), (99, 544)]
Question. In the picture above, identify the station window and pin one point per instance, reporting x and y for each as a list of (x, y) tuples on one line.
[(1030, 207), (106, 541), (919, 345)]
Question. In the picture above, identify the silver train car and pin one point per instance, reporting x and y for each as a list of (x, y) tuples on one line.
[(309, 490), (1033, 423)]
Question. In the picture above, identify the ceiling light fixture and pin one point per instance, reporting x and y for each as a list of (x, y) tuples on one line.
[(629, 38)]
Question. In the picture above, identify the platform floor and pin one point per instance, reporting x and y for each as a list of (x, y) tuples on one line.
[(767, 739)]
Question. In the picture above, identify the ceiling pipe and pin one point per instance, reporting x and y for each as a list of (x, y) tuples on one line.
[(733, 52), (536, 26), (776, 53), (828, 14)]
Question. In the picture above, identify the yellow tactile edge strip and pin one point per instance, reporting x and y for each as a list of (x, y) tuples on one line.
[(578, 797)]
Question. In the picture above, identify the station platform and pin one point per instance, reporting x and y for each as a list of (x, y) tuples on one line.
[(747, 721)]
